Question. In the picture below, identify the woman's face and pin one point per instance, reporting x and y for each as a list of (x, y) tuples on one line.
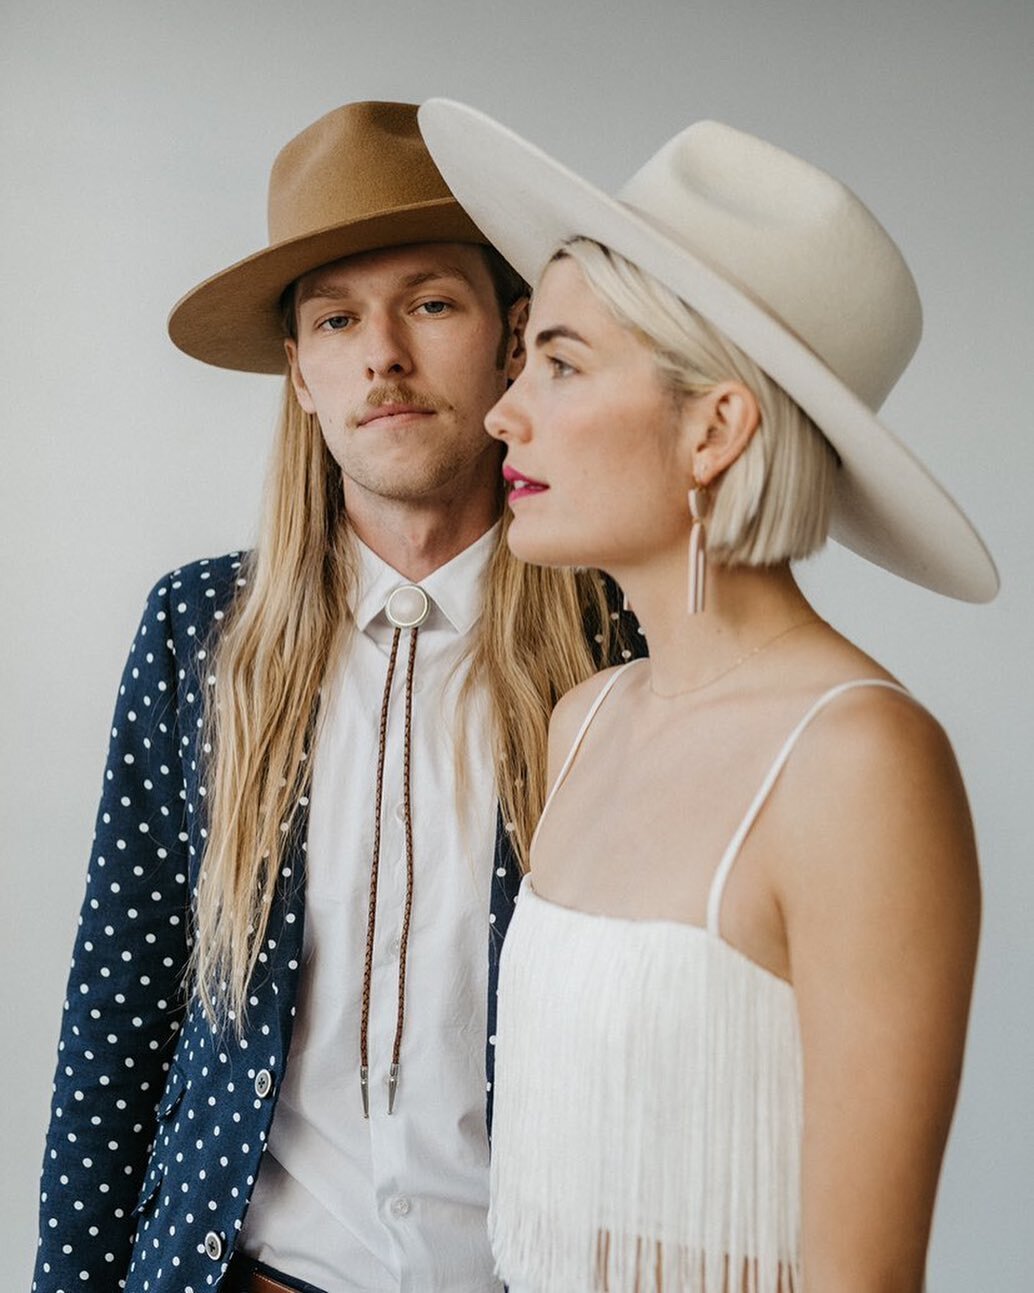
[(596, 435)]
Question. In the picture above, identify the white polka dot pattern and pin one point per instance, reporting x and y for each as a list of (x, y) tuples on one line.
[(157, 1126), (133, 1066)]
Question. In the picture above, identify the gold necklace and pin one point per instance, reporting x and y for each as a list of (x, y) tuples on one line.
[(740, 660)]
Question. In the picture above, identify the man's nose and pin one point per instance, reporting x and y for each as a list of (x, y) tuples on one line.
[(387, 352)]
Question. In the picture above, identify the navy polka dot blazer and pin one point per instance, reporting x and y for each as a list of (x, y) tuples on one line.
[(158, 1125)]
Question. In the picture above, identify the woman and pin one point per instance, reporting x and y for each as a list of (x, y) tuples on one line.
[(734, 995)]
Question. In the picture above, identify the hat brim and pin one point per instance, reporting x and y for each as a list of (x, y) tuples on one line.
[(232, 319), (888, 507)]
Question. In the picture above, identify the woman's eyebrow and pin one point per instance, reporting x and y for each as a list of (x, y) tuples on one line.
[(547, 335)]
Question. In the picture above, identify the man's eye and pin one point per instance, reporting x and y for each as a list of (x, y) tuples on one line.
[(433, 307), (335, 323)]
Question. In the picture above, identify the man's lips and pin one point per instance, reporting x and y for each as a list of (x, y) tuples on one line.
[(393, 411), (520, 485)]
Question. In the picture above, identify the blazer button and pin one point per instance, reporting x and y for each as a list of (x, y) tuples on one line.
[(263, 1083), (214, 1245)]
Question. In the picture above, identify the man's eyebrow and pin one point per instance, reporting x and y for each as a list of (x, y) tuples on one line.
[(323, 291), (433, 275), (550, 334), (331, 289)]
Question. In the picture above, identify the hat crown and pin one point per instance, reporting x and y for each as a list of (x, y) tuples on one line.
[(785, 262), (794, 239), (354, 163), (358, 180)]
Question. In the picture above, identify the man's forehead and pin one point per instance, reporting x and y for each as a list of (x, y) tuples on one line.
[(396, 267)]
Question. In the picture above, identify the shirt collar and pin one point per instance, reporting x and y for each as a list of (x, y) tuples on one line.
[(455, 588)]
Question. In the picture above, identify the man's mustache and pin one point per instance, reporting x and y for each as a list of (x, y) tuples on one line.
[(397, 393)]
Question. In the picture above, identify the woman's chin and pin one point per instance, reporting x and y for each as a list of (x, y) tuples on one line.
[(542, 549)]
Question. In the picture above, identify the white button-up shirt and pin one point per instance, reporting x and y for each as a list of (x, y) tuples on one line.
[(394, 1202)]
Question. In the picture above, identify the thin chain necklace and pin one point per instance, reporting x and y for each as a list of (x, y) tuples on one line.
[(740, 660)]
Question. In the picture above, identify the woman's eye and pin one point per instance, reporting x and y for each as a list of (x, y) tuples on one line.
[(560, 367)]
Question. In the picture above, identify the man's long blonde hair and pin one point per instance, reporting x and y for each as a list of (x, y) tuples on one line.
[(286, 625)]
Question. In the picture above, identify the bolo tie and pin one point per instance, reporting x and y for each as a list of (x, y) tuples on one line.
[(407, 608)]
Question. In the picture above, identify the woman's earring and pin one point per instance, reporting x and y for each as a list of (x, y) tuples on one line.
[(698, 508)]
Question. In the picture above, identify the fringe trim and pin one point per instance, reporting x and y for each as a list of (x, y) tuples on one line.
[(648, 1111)]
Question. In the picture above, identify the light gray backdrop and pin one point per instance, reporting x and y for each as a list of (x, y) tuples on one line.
[(136, 143)]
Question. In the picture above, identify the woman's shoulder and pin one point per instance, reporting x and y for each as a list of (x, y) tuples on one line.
[(574, 705), (871, 767), (572, 709), (868, 732), (868, 714), (883, 792), (862, 706)]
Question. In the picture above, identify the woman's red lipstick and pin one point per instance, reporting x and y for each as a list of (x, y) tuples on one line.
[(520, 485)]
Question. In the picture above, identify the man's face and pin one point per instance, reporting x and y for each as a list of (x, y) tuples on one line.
[(398, 355)]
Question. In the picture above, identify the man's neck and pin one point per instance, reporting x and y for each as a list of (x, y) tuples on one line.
[(416, 542)]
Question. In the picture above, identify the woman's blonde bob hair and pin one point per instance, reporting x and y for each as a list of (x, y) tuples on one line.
[(774, 503)]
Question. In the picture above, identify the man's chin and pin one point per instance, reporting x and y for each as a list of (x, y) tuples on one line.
[(418, 488)]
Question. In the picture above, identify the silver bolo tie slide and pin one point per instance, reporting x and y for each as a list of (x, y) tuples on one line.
[(407, 608)]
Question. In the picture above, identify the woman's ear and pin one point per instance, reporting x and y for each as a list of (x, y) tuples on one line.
[(723, 420)]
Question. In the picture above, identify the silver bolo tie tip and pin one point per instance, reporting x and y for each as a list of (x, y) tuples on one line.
[(393, 1086), (364, 1084), (408, 607)]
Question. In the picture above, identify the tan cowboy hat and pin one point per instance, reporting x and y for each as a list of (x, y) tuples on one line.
[(785, 261), (357, 180)]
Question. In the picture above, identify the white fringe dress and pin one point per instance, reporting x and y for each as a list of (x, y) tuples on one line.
[(648, 1102)]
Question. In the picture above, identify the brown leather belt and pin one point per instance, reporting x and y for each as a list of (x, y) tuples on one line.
[(243, 1275)]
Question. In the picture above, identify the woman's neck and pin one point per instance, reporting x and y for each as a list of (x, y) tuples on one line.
[(747, 607)]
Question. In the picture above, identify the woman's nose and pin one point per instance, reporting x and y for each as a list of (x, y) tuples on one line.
[(506, 419)]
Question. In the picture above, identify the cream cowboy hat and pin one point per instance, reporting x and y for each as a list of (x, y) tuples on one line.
[(781, 257), (358, 179)]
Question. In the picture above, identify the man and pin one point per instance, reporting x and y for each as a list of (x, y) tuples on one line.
[(327, 757)]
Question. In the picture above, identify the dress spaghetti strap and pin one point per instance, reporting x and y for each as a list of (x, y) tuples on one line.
[(721, 875), (565, 768)]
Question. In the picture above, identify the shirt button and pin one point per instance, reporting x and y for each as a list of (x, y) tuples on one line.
[(263, 1083), (396, 946), (214, 1246), (400, 812), (400, 1206)]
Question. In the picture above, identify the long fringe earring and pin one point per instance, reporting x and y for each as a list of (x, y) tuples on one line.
[(699, 501)]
